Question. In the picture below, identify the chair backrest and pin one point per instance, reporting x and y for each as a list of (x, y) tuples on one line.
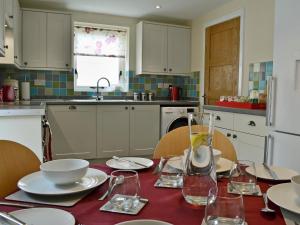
[(16, 161), (176, 141)]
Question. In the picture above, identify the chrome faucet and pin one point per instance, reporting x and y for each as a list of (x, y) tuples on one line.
[(100, 97)]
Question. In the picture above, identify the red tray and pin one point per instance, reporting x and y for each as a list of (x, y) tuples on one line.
[(242, 105)]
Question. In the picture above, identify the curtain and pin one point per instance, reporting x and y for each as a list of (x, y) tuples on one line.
[(99, 42)]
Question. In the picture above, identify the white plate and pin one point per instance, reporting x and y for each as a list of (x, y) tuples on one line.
[(36, 183), (284, 196), (223, 164), (43, 216), (122, 165), (144, 222), (282, 173)]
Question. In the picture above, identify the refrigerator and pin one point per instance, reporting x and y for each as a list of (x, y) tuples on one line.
[(283, 103)]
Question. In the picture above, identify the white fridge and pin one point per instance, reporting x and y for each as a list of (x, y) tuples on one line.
[(283, 110)]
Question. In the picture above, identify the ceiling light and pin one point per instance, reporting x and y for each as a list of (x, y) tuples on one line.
[(158, 6)]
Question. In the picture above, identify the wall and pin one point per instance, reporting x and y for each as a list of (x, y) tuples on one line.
[(61, 84), (258, 34)]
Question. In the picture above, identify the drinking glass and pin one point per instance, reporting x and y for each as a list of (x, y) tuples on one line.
[(199, 169), (242, 181), (224, 208), (124, 189)]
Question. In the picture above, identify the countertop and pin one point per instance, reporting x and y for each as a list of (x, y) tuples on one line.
[(256, 112), (38, 106)]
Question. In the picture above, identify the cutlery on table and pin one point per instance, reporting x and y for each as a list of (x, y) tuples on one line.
[(266, 209), (129, 161), (159, 166), (11, 218), (119, 180), (17, 204), (270, 172)]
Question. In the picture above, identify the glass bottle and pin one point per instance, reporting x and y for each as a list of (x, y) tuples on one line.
[(199, 174)]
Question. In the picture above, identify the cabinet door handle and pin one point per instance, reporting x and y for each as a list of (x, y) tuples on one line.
[(252, 123), (25, 63), (6, 46), (15, 57), (11, 17), (228, 135), (218, 118), (67, 64), (170, 69), (126, 107), (234, 136), (165, 69), (72, 107), (132, 108)]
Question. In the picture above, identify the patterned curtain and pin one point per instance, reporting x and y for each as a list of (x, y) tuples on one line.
[(99, 42)]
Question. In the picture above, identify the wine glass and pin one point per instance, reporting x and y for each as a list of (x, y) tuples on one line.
[(124, 189), (224, 208)]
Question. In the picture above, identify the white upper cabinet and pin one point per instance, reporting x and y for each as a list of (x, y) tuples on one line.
[(58, 40), (179, 50), (2, 29), (34, 39), (9, 12), (46, 40), (163, 49)]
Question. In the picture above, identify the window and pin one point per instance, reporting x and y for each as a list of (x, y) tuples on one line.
[(100, 51)]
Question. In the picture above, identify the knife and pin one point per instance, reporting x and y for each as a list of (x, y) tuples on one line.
[(130, 161), (271, 172), (12, 218)]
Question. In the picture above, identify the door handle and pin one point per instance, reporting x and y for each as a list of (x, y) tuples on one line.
[(72, 107), (268, 145), (218, 118), (228, 135), (270, 98), (234, 136), (252, 123)]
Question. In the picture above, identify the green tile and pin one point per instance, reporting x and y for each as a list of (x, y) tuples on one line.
[(70, 78), (70, 92), (255, 85), (256, 76), (55, 84)]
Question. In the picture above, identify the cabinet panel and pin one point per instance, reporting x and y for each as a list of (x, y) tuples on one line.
[(34, 39), (154, 48), (74, 129), (144, 129), (250, 124), (2, 29), (112, 131), (58, 40), (179, 41), (223, 119)]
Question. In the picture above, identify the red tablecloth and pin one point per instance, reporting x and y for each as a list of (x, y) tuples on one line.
[(164, 204)]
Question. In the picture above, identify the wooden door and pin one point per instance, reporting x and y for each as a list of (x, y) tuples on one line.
[(179, 46), (34, 39), (222, 43), (58, 40)]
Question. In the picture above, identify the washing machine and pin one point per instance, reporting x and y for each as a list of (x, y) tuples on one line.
[(174, 117)]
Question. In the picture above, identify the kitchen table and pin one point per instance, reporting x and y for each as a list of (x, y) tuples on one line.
[(164, 204)]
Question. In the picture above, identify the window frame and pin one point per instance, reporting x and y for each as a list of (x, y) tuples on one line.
[(113, 88)]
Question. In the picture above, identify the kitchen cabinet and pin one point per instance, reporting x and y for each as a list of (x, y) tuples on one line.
[(246, 132), (9, 12), (46, 40), (144, 129), (124, 130), (74, 131), (13, 51), (2, 28), (163, 49)]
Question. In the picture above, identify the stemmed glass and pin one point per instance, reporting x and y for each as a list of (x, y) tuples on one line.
[(224, 208), (124, 189)]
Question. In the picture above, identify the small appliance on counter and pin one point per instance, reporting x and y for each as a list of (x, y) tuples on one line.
[(174, 93), (25, 91), (10, 90)]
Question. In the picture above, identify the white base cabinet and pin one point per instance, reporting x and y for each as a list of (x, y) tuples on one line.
[(74, 131), (246, 133), (91, 131)]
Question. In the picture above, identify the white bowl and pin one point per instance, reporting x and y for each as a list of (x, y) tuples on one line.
[(64, 171), (296, 184)]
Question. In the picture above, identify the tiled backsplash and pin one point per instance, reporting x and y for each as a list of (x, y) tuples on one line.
[(61, 83), (258, 75)]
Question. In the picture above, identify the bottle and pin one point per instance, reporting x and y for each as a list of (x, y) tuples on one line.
[(199, 174)]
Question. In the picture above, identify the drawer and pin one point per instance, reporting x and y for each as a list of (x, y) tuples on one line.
[(250, 124), (222, 119)]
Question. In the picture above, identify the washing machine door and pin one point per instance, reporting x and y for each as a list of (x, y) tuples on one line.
[(179, 122)]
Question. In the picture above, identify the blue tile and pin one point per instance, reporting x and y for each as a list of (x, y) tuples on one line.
[(33, 91), (63, 78), (48, 84), (251, 76), (141, 80), (48, 76), (56, 91), (63, 92), (262, 85), (269, 66)]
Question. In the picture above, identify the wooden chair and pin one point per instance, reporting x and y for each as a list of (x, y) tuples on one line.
[(176, 141), (16, 161)]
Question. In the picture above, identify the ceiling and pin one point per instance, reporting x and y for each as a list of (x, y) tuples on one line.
[(174, 9)]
